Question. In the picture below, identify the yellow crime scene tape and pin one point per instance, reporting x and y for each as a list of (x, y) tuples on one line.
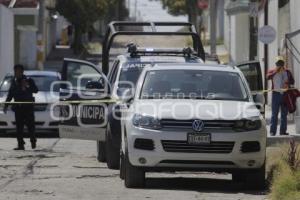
[(63, 102), (115, 100), (272, 90)]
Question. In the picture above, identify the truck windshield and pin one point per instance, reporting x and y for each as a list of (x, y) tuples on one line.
[(130, 73), (193, 84)]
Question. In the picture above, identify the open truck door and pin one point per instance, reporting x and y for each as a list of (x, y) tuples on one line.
[(83, 96), (253, 74)]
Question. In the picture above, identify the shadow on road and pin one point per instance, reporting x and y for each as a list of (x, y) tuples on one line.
[(200, 185), (39, 134)]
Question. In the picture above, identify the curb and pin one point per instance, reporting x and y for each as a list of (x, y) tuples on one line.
[(272, 141)]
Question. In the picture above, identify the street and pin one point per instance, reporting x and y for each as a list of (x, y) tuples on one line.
[(68, 169)]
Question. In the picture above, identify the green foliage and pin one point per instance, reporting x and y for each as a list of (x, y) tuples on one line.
[(286, 185), (284, 173), (175, 7), (181, 7), (82, 13)]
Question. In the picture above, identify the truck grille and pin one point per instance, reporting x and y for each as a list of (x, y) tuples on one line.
[(184, 147), (208, 124)]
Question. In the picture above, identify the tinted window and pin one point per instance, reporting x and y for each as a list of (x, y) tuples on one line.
[(130, 72), (44, 82), (79, 74), (193, 84), (252, 74)]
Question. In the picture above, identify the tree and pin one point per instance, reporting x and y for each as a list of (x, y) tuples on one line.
[(82, 14), (117, 11), (183, 7), (176, 7)]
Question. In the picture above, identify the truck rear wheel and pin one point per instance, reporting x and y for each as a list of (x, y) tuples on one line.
[(112, 153), (122, 166), (101, 155)]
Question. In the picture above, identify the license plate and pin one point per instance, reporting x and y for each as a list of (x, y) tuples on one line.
[(198, 138)]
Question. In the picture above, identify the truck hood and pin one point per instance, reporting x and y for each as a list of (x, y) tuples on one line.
[(196, 109)]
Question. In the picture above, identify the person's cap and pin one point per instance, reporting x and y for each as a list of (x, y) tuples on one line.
[(280, 58)]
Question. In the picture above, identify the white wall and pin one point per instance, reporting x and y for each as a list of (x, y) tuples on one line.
[(6, 41), (28, 38), (239, 39), (236, 39), (261, 50), (295, 25)]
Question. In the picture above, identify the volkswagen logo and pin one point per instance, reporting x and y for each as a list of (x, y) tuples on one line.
[(198, 125)]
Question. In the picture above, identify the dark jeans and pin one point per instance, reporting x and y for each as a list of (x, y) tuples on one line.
[(25, 116), (278, 104)]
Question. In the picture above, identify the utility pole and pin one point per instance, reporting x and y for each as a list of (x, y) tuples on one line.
[(192, 12), (213, 26), (40, 36), (266, 46), (253, 32)]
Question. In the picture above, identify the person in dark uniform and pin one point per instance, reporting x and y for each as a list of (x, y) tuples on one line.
[(21, 90)]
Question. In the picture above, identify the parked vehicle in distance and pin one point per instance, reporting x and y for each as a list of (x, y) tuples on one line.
[(206, 120), (43, 99)]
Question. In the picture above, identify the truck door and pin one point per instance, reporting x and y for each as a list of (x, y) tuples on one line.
[(253, 74), (84, 94)]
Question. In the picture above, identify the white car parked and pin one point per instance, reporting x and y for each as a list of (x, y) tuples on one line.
[(193, 117), (45, 97)]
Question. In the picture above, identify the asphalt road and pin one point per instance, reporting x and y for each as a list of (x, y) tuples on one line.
[(67, 169)]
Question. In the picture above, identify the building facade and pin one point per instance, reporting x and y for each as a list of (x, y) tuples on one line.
[(283, 16), (6, 41), (26, 23)]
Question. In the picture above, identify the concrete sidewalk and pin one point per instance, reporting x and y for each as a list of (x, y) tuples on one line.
[(291, 129)]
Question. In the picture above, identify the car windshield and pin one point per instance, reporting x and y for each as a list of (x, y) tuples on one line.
[(130, 72), (193, 84), (42, 82)]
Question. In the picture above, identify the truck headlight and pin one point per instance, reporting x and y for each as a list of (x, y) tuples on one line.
[(147, 122), (247, 125)]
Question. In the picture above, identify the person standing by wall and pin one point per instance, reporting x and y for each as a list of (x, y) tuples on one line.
[(21, 90), (282, 79)]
